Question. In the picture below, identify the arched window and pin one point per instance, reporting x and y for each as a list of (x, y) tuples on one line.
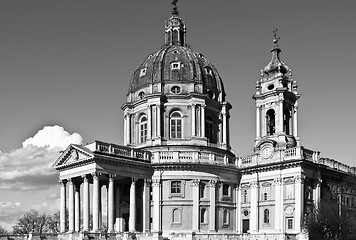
[(266, 216), (203, 217), (226, 216), (286, 122), (176, 122), (176, 216), (143, 128), (270, 122)]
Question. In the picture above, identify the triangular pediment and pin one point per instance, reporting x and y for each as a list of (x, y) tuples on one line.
[(124, 205), (73, 154)]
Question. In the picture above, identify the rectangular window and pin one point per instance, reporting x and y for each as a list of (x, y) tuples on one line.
[(266, 194), (176, 128), (175, 65), (143, 132), (289, 223), (245, 196), (176, 187), (226, 190), (289, 190)]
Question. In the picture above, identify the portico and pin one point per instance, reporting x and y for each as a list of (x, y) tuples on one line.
[(108, 172)]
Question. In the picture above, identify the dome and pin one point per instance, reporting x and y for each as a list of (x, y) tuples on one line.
[(176, 64)]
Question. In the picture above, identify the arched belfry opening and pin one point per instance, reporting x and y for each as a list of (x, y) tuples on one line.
[(271, 122)]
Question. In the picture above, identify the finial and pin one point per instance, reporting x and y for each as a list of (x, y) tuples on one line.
[(175, 10), (276, 38)]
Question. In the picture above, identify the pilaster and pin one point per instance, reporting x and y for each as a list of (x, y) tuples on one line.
[(212, 210), (195, 212), (254, 207)]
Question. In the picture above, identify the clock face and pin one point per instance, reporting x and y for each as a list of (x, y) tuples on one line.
[(267, 152), (289, 210)]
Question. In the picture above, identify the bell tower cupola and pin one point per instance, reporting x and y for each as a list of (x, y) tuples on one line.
[(175, 29), (276, 103)]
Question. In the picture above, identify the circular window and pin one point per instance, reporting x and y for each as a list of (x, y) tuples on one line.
[(270, 87), (245, 213), (175, 89), (141, 95), (211, 94)]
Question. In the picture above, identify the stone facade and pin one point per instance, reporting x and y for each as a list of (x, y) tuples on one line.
[(176, 176)]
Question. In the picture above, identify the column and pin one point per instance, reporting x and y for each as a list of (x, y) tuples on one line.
[(316, 196), (132, 216), (221, 137), (71, 205), (86, 205), (238, 210), (128, 128), (63, 206), (278, 216), (156, 190), (146, 205), (254, 209), (202, 118), (299, 202), (125, 130), (224, 124), (295, 120), (96, 206), (158, 120), (258, 122), (212, 209), (77, 207), (195, 212), (149, 122), (111, 204), (193, 120)]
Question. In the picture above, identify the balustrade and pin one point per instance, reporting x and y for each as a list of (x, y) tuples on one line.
[(193, 157), (114, 149)]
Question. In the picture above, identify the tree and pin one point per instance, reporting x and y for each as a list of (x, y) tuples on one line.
[(53, 223), (32, 221), (3, 231), (332, 221)]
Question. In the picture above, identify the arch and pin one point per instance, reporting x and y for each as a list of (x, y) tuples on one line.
[(176, 125), (176, 215), (226, 216), (142, 123), (270, 122), (266, 216), (203, 215)]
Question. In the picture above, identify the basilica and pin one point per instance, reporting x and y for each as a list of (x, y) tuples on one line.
[(176, 176)]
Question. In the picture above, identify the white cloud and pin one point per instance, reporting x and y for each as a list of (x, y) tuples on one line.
[(52, 137), (9, 212), (29, 167)]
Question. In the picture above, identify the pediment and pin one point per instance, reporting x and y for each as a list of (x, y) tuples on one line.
[(73, 154), (124, 205)]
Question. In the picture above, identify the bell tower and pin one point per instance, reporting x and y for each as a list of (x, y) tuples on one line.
[(276, 103)]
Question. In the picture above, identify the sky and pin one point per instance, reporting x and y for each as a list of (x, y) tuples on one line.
[(65, 68)]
